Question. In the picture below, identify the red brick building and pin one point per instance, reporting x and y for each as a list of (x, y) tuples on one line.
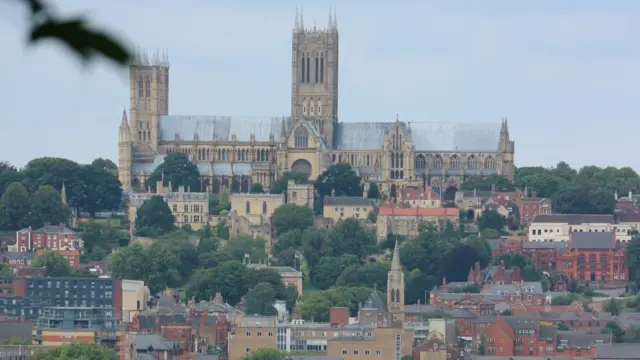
[(593, 256), (48, 237), (532, 206), (526, 336), (494, 275)]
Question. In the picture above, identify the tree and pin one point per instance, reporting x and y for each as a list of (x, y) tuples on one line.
[(562, 327), (500, 182), (281, 185), (256, 189), (372, 275), (154, 217), (272, 354), (374, 191), (286, 246), (47, 207), (316, 305), (633, 258), (14, 207), (291, 297), (329, 269), (372, 216), (158, 265), (9, 177), (54, 263), (229, 278), (583, 198), (491, 219), (219, 202), (260, 300), (612, 307), (614, 329), (222, 230), (290, 217), (101, 189), (242, 245), (100, 239), (481, 345), (5, 166), (104, 164), (349, 237), (77, 350), (178, 170), (338, 180)]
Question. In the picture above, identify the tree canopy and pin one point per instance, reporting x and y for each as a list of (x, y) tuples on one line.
[(77, 350), (178, 170), (154, 217)]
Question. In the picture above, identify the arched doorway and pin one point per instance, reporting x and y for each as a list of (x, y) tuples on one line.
[(449, 198), (301, 166)]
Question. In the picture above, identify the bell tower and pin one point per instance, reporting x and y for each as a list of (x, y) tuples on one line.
[(395, 286), (314, 75)]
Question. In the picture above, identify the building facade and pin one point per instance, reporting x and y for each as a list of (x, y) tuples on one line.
[(234, 152), (48, 237), (60, 325), (559, 227), (594, 257)]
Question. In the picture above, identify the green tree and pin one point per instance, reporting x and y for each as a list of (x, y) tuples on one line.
[(338, 180), (154, 217), (417, 286), (14, 207), (77, 350), (349, 237), (291, 217), (612, 307), (372, 275), (329, 269), (260, 299), (54, 264), (9, 177), (491, 219), (291, 297), (242, 245), (158, 265), (100, 239), (633, 258), (104, 164), (615, 330), (316, 305), (272, 354), (227, 278), (486, 184), (372, 216), (178, 170), (286, 247), (562, 327), (481, 345), (583, 198), (256, 189), (47, 207), (219, 202), (6, 166), (281, 185), (222, 230), (101, 189), (374, 191)]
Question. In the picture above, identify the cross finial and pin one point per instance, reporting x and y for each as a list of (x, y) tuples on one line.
[(397, 117)]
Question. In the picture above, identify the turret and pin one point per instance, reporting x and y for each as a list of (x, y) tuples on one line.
[(124, 152)]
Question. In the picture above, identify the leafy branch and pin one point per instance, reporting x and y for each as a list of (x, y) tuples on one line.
[(74, 32)]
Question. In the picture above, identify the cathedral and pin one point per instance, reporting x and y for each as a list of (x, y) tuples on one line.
[(235, 151)]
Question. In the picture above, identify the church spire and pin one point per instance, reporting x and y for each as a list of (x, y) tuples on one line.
[(301, 18), (335, 19), (124, 122), (296, 25), (395, 260), (330, 26)]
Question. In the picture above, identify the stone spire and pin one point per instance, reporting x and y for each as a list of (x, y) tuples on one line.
[(395, 260), (124, 122), (335, 19), (301, 18), (296, 24), (330, 26)]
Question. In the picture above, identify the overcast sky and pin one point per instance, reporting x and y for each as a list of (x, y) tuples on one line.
[(565, 73)]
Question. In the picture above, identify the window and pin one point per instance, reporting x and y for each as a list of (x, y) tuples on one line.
[(270, 333), (196, 219), (344, 352), (355, 352), (366, 352), (147, 85), (308, 69), (248, 350), (316, 69), (175, 208), (247, 207), (293, 195), (321, 69), (302, 70), (186, 218), (301, 137), (259, 333), (140, 87), (186, 208), (248, 333), (264, 208), (378, 352)]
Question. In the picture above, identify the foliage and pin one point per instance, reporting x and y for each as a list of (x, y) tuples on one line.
[(374, 191), (562, 327), (338, 180), (316, 305), (372, 216), (486, 184), (154, 217), (5, 166), (177, 170), (158, 265), (222, 230), (467, 289), (329, 269), (481, 345), (369, 274), (77, 350), (47, 207), (104, 164), (291, 297), (15, 341), (281, 185), (219, 202), (565, 299), (256, 189), (242, 245), (100, 239), (633, 257), (289, 217), (272, 354), (491, 219), (614, 329), (14, 207), (589, 190), (260, 300), (612, 307), (528, 270), (56, 265)]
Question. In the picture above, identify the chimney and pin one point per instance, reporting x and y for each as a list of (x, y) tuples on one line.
[(502, 264), (444, 281), (339, 316)]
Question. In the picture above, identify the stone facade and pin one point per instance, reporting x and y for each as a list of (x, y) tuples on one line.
[(234, 152)]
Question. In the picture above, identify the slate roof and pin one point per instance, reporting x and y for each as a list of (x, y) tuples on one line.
[(221, 128), (574, 219), (592, 240), (573, 339), (618, 351), (347, 201), (544, 244), (374, 301), (145, 342)]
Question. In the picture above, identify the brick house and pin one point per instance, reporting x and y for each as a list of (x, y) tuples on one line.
[(494, 275), (72, 256), (48, 237), (18, 260), (532, 206), (526, 336), (594, 257)]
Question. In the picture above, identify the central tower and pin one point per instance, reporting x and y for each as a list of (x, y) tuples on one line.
[(314, 75)]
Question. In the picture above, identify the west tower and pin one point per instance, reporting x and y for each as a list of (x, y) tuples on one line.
[(149, 99), (314, 88)]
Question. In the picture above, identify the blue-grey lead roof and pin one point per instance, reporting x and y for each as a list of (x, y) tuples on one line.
[(427, 136), (221, 128)]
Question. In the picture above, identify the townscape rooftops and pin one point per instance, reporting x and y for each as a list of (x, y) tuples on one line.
[(574, 339), (592, 240), (347, 201), (574, 219), (618, 351)]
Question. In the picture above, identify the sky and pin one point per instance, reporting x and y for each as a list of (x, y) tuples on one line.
[(566, 74)]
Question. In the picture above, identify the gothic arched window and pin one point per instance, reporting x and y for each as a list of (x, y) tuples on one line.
[(393, 296), (317, 67), (247, 207), (489, 163), (321, 69), (308, 68), (472, 162), (420, 162), (264, 208), (437, 162), (302, 72), (301, 137), (398, 296), (147, 85), (140, 87), (455, 162)]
